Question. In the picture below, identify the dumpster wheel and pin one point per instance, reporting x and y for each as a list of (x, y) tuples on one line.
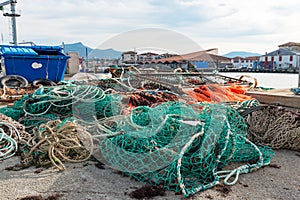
[(13, 81)]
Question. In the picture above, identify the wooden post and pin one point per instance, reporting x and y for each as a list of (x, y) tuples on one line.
[(299, 77)]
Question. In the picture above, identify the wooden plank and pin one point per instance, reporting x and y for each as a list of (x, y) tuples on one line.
[(283, 97)]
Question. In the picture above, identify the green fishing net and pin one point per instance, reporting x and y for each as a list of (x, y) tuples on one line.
[(34, 121), (16, 111), (183, 150), (85, 102)]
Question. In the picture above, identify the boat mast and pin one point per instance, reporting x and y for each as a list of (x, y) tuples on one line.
[(13, 16)]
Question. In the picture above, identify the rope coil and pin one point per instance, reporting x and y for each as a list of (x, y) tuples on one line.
[(58, 141), (11, 133), (275, 127)]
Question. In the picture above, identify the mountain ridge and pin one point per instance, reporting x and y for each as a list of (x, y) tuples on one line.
[(242, 54), (113, 54), (92, 53)]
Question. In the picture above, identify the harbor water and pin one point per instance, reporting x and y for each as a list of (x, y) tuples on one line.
[(268, 80)]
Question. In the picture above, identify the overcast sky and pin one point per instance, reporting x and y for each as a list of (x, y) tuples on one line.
[(229, 25)]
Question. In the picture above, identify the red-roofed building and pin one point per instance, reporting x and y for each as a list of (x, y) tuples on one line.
[(204, 56), (200, 59)]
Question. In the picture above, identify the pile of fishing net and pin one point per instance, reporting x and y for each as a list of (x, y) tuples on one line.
[(161, 141), (274, 126), (180, 146), (215, 93), (150, 97), (52, 143), (86, 102), (104, 84), (12, 94), (51, 138)]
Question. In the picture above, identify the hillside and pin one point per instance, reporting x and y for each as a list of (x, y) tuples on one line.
[(242, 54), (105, 53), (92, 53)]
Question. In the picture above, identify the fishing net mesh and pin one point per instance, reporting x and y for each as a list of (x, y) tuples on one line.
[(85, 102), (276, 127), (182, 147), (174, 146)]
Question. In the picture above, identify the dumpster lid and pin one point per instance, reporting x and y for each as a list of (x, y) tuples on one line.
[(46, 48), (16, 50)]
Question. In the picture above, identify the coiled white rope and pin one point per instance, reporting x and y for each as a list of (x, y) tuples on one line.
[(8, 140)]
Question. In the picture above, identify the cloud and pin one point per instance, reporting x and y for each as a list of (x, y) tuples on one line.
[(230, 22), (187, 13), (84, 19), (152, 38)]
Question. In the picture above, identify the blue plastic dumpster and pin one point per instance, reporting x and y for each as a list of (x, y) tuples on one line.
[(34, 62)]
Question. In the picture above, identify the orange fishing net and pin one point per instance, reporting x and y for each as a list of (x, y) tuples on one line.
[(216, 93)]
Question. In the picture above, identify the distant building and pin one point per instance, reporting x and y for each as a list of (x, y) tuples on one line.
[(200, 60), (244, 63), (237, 61), (147, 57), (293, 46), (129, 57), (286, 58), (167, 55)]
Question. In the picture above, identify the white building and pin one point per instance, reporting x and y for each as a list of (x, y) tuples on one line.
[(244, 63), (286, 58), (147, 57), (237, 62), (129, 57)]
